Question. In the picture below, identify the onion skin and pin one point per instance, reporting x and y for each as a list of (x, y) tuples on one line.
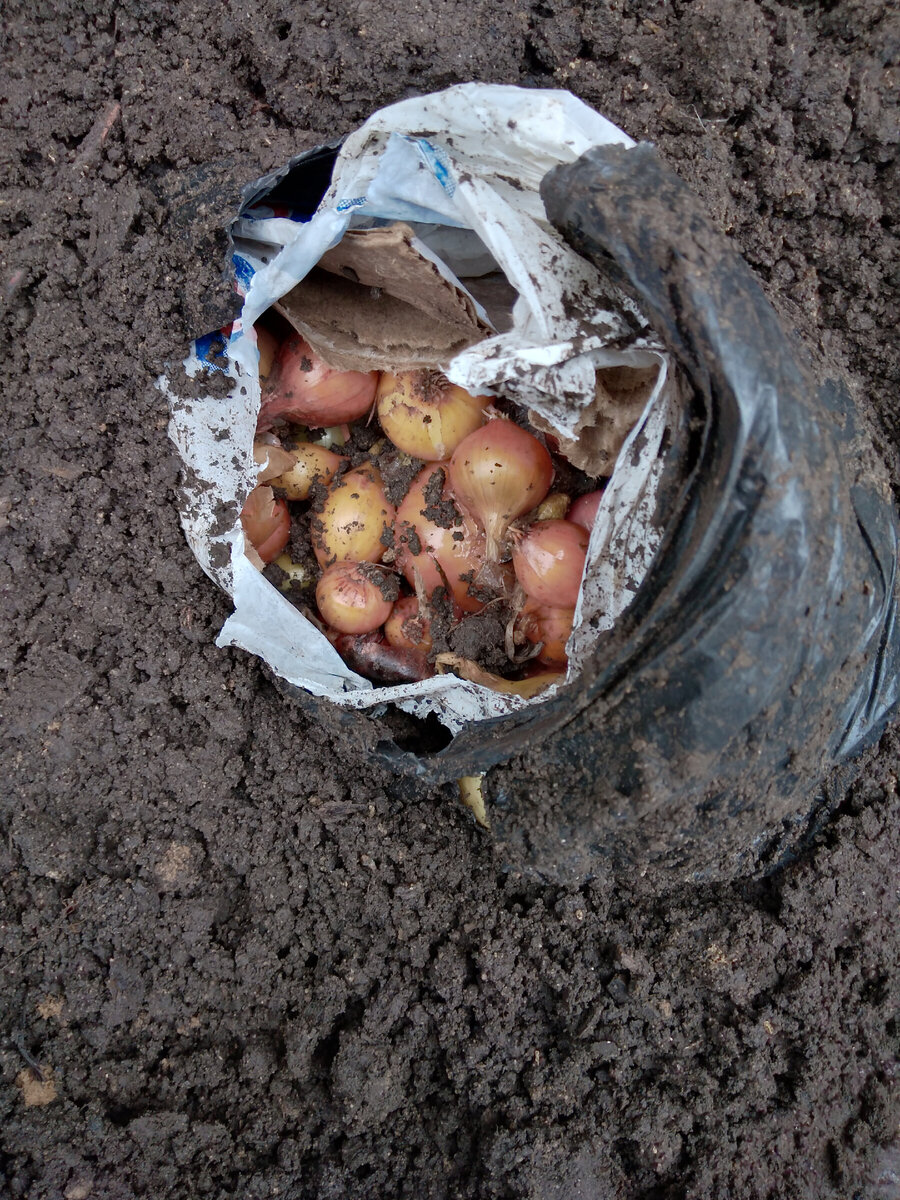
[(584, 510), (426, 415), (549, 561), (309, 464), (377, 660), (442, 559), (301, 388), (266, 522), (354, 517), (550, 626), (271, 453), (405, 629), (553, 507), (350, 600), (500, 472), (267, 345)]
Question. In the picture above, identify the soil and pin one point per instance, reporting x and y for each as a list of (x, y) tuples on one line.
[(239, 957)]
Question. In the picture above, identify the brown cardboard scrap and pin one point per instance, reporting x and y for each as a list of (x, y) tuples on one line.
[(619, 398), (375, 303)]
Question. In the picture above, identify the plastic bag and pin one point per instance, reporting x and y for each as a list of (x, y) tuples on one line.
[(461, 170), (758, 647), (762, 649)]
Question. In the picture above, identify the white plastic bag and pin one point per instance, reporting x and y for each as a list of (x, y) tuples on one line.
[(463, 168)]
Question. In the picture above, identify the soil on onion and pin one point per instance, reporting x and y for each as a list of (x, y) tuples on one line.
[(238, 957)]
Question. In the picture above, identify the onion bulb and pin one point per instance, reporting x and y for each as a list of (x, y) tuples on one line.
[(354, 519), (350, 597), (303, 389), (443, 557), (584, 510), (500, 472), (549, 561), (266, 522), (377, 659), (550, 626), (307, 463), (426, 415), (405, 629)]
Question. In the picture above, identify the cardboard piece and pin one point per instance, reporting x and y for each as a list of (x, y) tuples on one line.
[(620, 395), (375, 302)]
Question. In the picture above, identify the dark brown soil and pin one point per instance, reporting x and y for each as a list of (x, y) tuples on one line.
[(238, 959)]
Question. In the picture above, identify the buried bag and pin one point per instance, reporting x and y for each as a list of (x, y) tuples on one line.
[(762, 649), (737, 631)]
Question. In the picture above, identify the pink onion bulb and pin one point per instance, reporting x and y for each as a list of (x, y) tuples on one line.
[(354, 519), (307, 464), (549, 561), (550, 626), (450, 557), (584, 510), (351, 599), (266, 522), (405, 629), (301, 388), (500, 472), (267, 345)]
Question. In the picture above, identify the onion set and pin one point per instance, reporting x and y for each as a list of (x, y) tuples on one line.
[(301, 388), (266, 522), (477, 541), (426, 415), (355, 519), (500, 472), (444, 555), (350, 597), (549, 562)]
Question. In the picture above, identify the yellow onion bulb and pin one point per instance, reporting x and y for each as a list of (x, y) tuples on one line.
[(550, 626), (266, 522), (584, 510), (441, 557), (406, 629), (307, 464), (301, 388), (355, 518), (500, 472), (549, 562), (426, 415), (350, 597)]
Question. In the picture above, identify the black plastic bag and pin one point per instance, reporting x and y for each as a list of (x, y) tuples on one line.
[(762, 649)]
